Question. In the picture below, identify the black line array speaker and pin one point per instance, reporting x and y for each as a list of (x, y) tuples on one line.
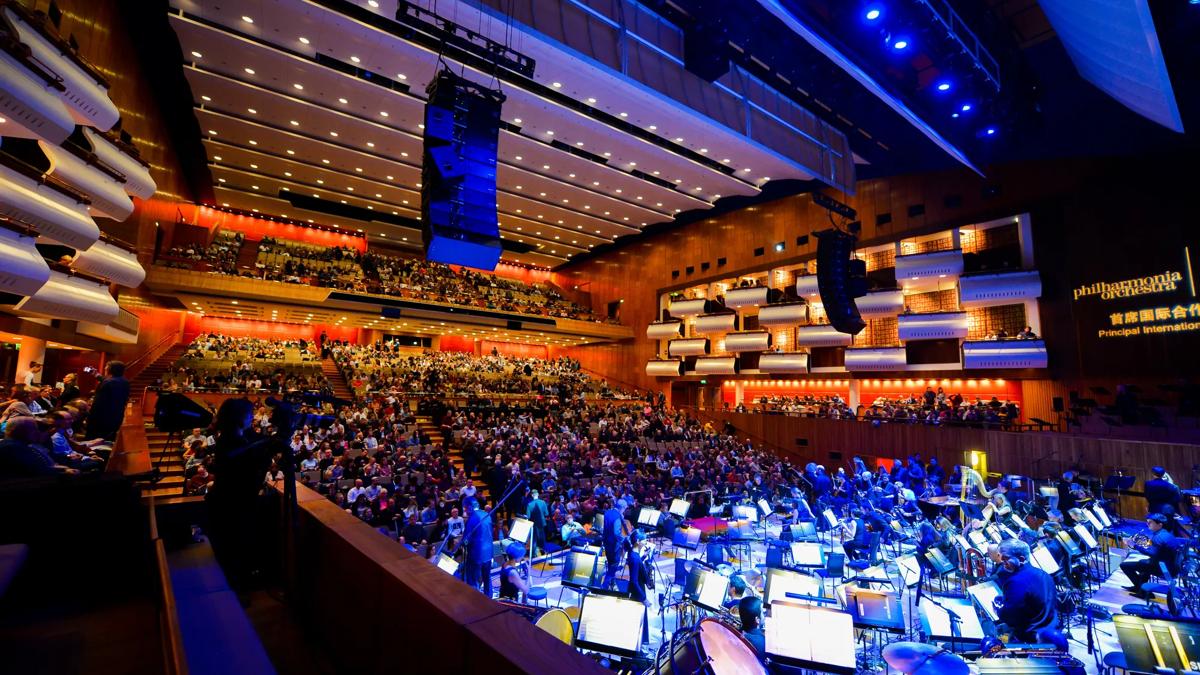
[(458, 177), (840, 279)]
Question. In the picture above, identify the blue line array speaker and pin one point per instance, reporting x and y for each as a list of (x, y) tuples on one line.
[(840, 279), (458, 176)]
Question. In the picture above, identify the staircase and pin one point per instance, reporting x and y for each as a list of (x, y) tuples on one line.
[(150, 374), (168, 460), (429, 428), (341, 388)]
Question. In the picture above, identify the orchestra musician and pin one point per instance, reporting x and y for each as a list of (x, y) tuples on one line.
[(1160, 492), (616, 528), (1026, 603), (1000, 500), (1155, 544), (573, 532), (750, 612), (512, 586), (854, 534), (640, 576)]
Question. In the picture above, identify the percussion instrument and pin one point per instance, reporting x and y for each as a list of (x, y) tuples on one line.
[(918, 658), (725, 570), (709, 647), (558, 623)]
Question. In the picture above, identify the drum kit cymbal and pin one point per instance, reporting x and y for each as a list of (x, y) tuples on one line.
[(917, 658)]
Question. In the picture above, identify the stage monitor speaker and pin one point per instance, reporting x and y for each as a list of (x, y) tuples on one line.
[(1058, 404), (174, 413), (840, 279), (458, 177)]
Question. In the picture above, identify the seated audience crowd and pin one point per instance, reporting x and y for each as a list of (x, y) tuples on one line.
[(220, 363), (371, 272), (931, 407), (44, 432)]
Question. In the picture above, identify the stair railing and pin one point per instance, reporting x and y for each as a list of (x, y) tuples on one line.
[(136, 366)]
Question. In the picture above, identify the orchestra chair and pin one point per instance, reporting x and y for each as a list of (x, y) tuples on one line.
[(1114, 661), (835, 568), (536, 595), (872, 553)]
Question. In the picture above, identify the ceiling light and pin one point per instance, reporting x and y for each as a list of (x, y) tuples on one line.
[(206, 98), (556, 85), (401, 76), (197, 55), (217, 157), (355, 59), (900, 44), (288, 174), (298, 86), (252, 142), (591, 100), (549, 133), (304, 40), (343, 101), (295, 123), (211, 132), (247, 19), (324, 161), (943, 86), (333, 133), (370, 144), (516, 120), (253, 187), (249, 71), (220, 180), (383, 113), (966, 107)]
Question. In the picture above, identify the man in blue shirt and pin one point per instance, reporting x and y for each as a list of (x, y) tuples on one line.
[(614, 532), (538, 512), (478, 565)]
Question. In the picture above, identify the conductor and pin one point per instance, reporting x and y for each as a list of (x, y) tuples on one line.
[(477, 567)]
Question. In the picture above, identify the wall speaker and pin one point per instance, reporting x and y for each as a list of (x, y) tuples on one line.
[(840, 279), (458, 177)]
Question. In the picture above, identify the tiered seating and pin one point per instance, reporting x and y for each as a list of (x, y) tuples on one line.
[(225, 364)]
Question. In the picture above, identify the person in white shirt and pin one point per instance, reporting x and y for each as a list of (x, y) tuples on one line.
[(34, 373), (358, 489), (455, 525)]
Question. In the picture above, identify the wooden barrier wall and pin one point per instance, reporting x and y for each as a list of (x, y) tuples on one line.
[(380, 608), (1038, 455)]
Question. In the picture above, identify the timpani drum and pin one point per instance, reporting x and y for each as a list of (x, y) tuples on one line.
[(710, 648), (558, 623)]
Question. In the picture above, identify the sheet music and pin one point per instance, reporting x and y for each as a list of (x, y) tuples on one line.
[(712, 590), (765, 507), (962, 542), (521, 529), (985, 595), (1091, 518), (978, 540), (938, 622), (1044, 560), (830, 518), (808, 554), (447, 564), (1101, 514), (810, 634), (648, 516), (743, 512), (1085, 536), (611, 622), (680, 508), (782, 582)]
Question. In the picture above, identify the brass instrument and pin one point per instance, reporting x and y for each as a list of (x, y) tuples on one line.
[(1140, 540)]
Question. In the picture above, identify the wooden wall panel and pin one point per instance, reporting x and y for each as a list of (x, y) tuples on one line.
[(1039, 455)]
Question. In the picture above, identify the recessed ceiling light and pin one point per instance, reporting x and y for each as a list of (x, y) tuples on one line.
[(197, 55), (516, 120), (253, 142), (324, 161), (370, 144), (249, 71), (295, 123), (304, 40), (298, 86), (556, 85), (253, 166), (247, 19), (704, 150), (549, 133), (591, 100), (206, 98), (291, 152), (333, 133), (343, 101), (608, 154), (216, 157), (320, 181), (355, 59), (252, 111), (401, 76), (287, 173), (220, 180), (253, 187), (372, 3), (653, 128), (383, 113), (358, 169)]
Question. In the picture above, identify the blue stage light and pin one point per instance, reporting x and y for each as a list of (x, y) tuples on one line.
[(990, 131), (900, 44), (966, 107), (873, 14), (943, 86), (954, 115)]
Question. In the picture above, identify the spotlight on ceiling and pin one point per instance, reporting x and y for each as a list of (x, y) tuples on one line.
[(900, 44), (873, 13), (944, 85)]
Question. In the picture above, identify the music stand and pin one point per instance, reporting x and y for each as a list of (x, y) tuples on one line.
[(808, 554), (910, 570), (875, 610), (680, 507), (610, 623), (579, 569), (687, 538), (1152, 645), (985, 595), (781, 582), (447, 564), (805, 530), (1118, 483), (1043, 559), (745, 512), (706, 588), (649, 518), (936, 623), (812, 638)]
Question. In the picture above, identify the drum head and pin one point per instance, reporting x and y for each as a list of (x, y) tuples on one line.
[(557, 623), (728, 652)]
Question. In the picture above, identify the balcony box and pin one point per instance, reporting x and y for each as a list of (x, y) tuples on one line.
[(664, 368), (880, 304), (710, 324), (1008, 288), (717, 365), (688, 347), (821, 335), (783, 363), (664, 330), (786, 314), (935, 326), (876, 358), (925, 267), (750, 341), (1004, 354)]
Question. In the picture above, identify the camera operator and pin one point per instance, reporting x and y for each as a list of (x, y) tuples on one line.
[(241, 461)]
